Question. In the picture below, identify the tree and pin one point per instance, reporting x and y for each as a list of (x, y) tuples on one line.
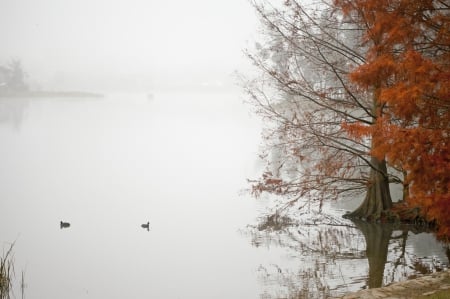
[(12, 77), (358, 98), (408, 63), (306, 94)]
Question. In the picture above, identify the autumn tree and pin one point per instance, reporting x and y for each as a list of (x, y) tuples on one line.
[(408, 66), (306, 96)]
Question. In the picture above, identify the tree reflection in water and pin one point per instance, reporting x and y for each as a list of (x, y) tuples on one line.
[(329, 256), (12, 110)]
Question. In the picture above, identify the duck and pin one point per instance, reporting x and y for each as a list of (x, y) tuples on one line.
[(63, 224), (146, 225)]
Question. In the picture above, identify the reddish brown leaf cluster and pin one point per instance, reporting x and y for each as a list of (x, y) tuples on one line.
[(268, 184), (357, 94), (408, 68)]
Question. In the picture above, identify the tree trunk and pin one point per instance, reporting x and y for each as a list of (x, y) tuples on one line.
[(378, 196)]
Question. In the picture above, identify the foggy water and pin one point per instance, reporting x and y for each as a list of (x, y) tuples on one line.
[(179, 161), (109, 165)]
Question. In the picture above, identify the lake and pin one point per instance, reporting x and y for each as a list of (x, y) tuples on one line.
[(179, 161)]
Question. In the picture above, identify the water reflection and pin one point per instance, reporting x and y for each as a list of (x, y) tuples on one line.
[(12, 110), (333, 259), (378, 237), (179, 160)]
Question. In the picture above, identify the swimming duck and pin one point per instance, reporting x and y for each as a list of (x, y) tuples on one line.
[(146, 225), (63, 224)]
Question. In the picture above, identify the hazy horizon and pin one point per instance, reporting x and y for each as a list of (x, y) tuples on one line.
[(129, 45)]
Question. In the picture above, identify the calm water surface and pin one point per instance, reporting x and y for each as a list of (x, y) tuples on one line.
[(179, 161)]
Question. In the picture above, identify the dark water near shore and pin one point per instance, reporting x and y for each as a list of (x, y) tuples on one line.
[(179, 161)]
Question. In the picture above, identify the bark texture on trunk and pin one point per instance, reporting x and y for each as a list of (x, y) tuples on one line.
[(378, 196)]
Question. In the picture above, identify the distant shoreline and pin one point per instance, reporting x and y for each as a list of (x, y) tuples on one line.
[(51, 94)]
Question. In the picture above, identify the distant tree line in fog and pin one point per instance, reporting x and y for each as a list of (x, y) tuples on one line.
[(12, 77)]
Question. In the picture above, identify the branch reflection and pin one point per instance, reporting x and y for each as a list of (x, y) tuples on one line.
[(326, 260)]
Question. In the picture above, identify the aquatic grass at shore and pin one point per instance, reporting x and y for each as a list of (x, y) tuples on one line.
[(6, 273)]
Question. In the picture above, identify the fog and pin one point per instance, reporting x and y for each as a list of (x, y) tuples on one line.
[(168, 143), (126, 45)]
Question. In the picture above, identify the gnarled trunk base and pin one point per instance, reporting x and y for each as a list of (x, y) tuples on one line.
[(378, 196)]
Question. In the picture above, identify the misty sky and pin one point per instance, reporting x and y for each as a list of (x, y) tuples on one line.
[(76, 42)]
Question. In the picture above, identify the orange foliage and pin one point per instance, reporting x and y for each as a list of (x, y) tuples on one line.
[(268, 183), (408, 69), (357, 130)]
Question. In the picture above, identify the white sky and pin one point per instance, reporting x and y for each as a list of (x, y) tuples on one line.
[(169, 40)]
